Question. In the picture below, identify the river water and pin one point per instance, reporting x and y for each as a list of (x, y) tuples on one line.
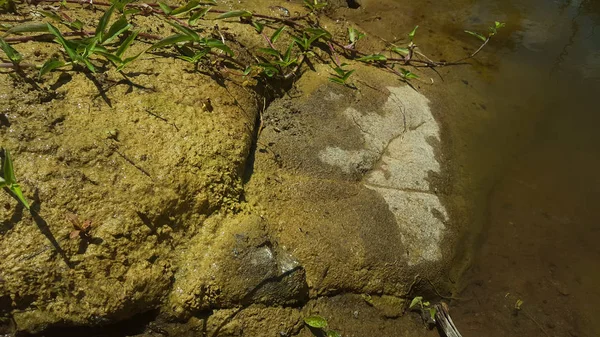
[(523, 149)]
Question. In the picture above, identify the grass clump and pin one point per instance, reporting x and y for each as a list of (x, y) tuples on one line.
[(107, 45)]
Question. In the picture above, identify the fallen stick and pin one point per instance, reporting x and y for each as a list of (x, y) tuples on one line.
[(444, 321)]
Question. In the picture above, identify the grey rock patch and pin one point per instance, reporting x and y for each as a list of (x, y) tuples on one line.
[(398, 158)]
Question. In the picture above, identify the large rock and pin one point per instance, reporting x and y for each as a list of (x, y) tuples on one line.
[(146, 170), (348, 180)]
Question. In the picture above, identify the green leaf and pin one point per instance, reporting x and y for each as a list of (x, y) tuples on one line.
[(411, 35), (132, 11), (269, 51), (125, 45), (165, 8), (401, 51), (336, 80), (347, 75), (316, 321), (103, 23), (171, 40), (16, 189), (9, 179), (354, 35), (88, 64), (247, 71), (193, 4), (258, 26), (288, 52), (107, 55), (68, 46), (268, 69), (332, 333), (477, 35), (319, 32), (187, 31), (416, 301), (50, 15), (129, 60), (432, 312), (77, 24), (213, 43), (235, 14), (8, 170), (499, 25), (197, 16), (373, 57), (29, 28), (50, 65), (120, 4), (277, 33), (13, 55), (117, 28)]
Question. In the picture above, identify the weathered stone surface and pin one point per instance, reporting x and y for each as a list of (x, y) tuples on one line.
[(240, 265), (348, 181), (146, 183)]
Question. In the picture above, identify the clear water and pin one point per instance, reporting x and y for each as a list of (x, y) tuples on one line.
[(524, 155)]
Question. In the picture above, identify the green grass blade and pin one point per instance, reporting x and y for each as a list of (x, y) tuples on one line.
[(269, 51), (259, 26), (50, 65), (373, 57), (411, 35), (103, 23), (117, 28), (129, 60), (88, 64), (213, 43), (107, 55), (401, 51), (125, 45), (171, 40), (186, 8), (197, 16), (235, 14), (277, 33), (50, 15), (16, 189), (477, 35), (185, 30), (288, 52), (7, 168), (68, 47), (165, 8), (29, 28), (336, 80), (347, 75), (13, 55)]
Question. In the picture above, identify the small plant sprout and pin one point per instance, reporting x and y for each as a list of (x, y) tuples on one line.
[(341, 75), (8, 180), (320, 324), (81, 229), (353, 36), (518, 304), (314, 5), (485, 39), (13, 55), (426, 309)]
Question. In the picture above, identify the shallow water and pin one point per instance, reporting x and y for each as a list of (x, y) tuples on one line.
[(541, 145), (525, 155)]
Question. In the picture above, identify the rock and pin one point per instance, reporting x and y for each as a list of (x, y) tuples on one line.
[(241, 265), (145, 193)]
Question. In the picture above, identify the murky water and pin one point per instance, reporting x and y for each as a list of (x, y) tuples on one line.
[(525, 155)]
